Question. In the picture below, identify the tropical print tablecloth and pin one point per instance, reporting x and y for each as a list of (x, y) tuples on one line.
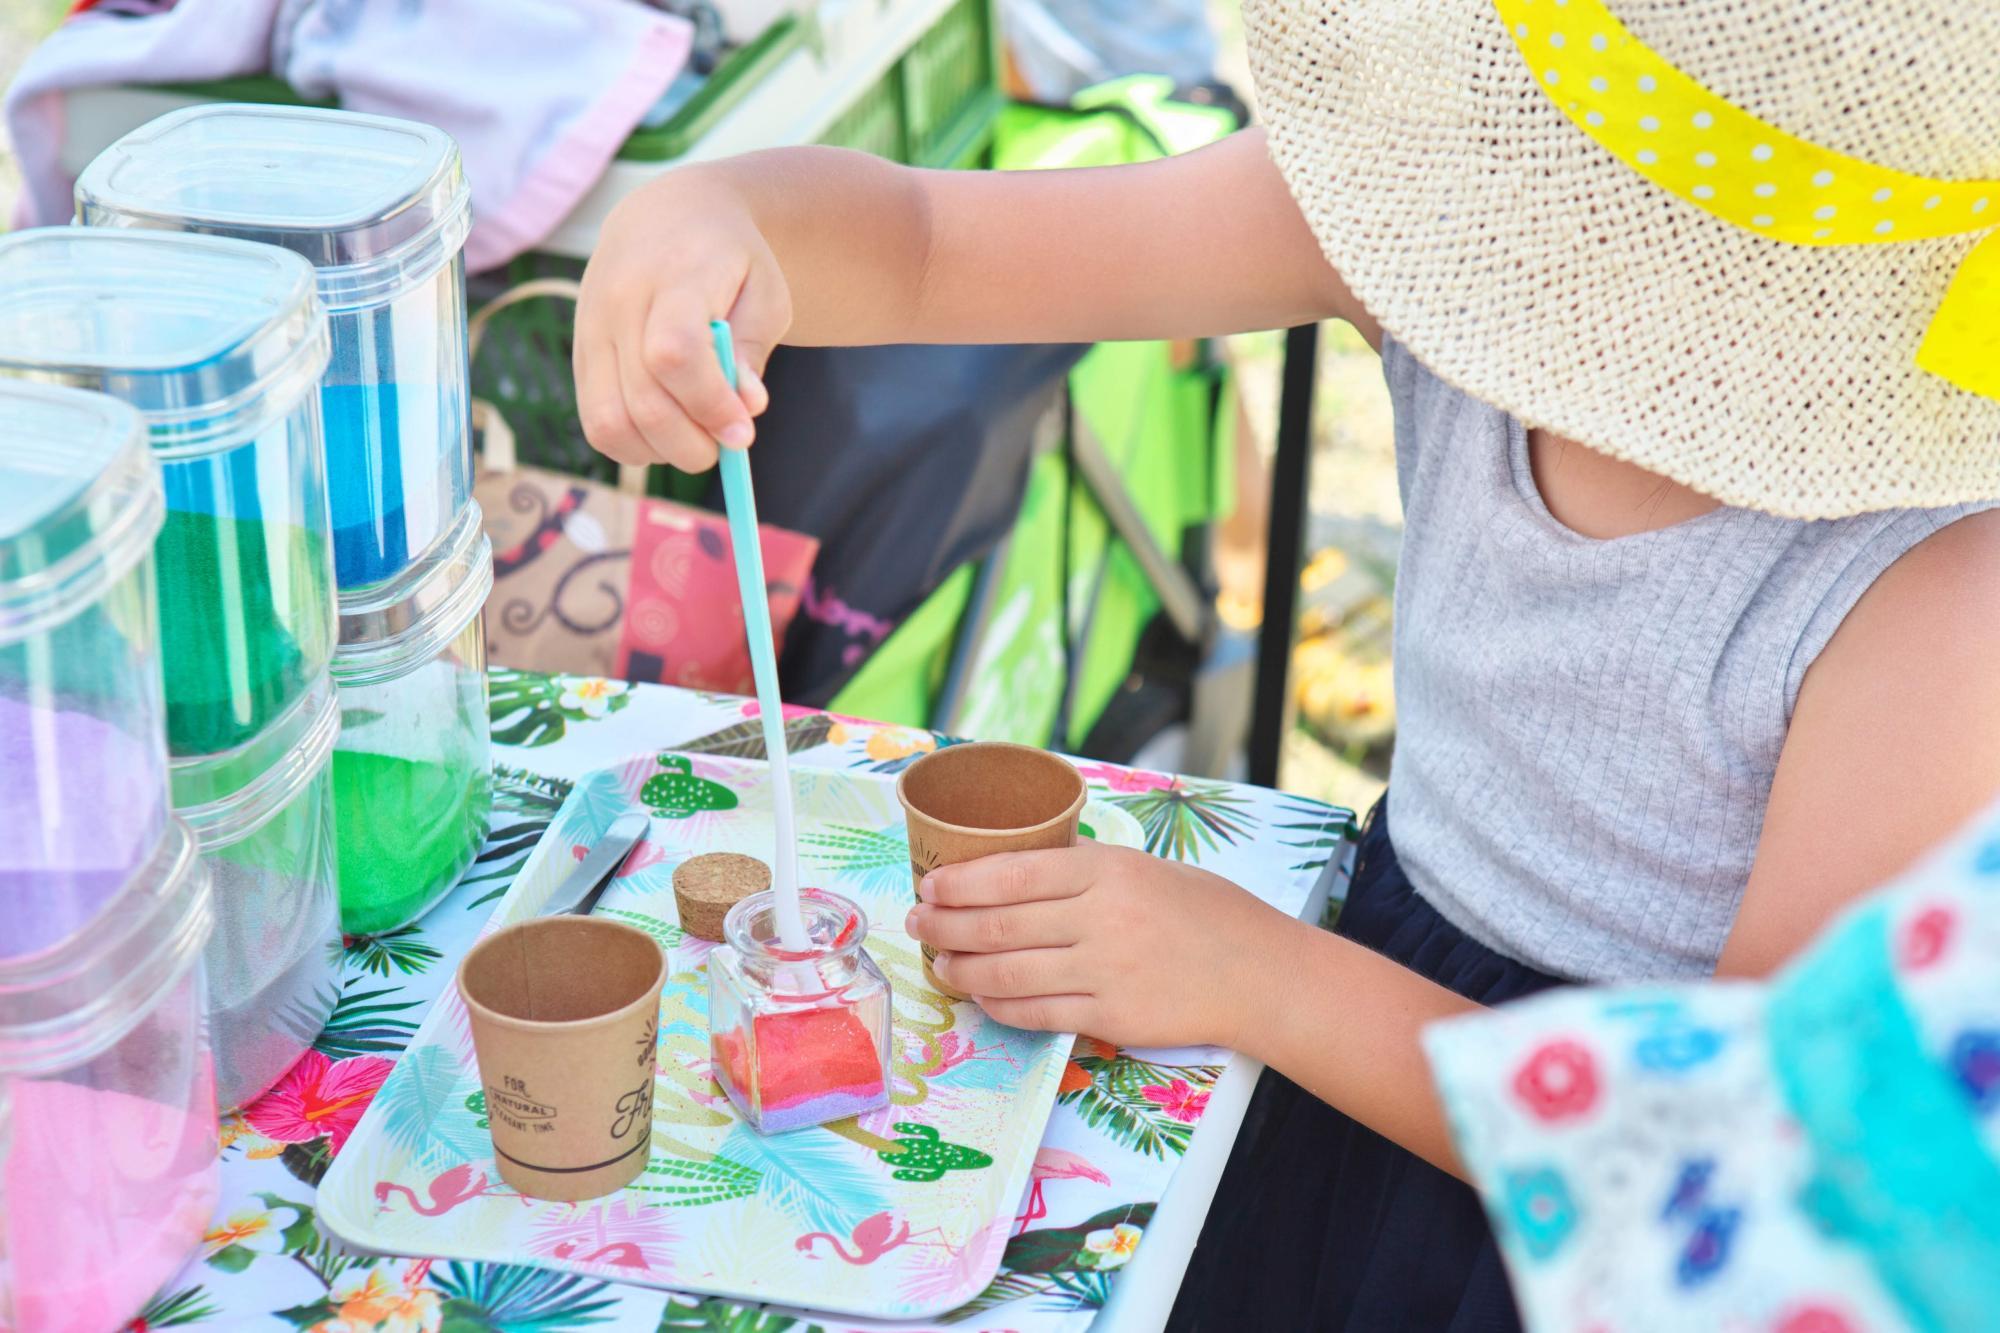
[(1122, 1119)]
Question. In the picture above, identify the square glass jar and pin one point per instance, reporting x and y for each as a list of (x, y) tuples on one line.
[(799, 1038)]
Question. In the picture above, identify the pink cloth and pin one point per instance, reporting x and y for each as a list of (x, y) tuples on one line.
[(196, 39), (535, 131)]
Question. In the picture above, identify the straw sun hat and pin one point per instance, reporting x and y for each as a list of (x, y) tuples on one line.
[(1737, 242)]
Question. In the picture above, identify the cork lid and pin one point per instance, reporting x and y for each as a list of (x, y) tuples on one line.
[(707, 886)]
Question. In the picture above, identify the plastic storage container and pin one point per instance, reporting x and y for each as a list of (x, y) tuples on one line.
[(799, 1039), (381, 210), (220, 345), (108, 1151), (412, 773), (83, 767), (265, 823)]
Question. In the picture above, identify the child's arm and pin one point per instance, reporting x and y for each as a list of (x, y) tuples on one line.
[(1146, 952), (830, 247), (1894, 745)]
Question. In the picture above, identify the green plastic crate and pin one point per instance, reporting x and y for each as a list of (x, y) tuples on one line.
[(262, 88), (935, 107), (739, 73), (523, 369), (951, 88), (875, 123)]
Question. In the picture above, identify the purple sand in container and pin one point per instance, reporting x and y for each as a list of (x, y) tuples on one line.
[(82, 805)]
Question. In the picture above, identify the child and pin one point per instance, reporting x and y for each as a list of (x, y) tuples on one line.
[(1696, 615)]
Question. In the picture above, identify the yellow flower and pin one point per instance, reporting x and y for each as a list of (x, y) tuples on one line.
[(418, 1312), (253, 1228), (1114, 1245), (380, 1304), (590, 695), (899, 743)]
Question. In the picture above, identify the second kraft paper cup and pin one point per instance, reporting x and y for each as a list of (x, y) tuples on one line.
[(565, 1017), (963, 802)]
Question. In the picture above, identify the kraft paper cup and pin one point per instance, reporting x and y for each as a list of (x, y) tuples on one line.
[(963, 802), (565, 1017)]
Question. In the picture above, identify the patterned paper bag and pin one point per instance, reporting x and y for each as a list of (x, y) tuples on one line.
[(590, 581)]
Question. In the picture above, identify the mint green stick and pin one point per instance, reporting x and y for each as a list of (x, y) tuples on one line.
[(740, 501)]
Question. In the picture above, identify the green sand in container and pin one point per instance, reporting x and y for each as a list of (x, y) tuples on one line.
[(232, 592), (406, 831)]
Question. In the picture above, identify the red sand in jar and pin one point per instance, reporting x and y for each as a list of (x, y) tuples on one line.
[(813, 1063)]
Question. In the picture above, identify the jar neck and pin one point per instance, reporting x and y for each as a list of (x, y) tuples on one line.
[(793, 974), (835, 928)]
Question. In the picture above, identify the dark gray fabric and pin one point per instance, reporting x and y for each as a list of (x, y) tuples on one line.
[(905, 462)]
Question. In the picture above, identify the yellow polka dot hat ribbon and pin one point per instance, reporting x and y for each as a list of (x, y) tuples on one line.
[(1745, 171)]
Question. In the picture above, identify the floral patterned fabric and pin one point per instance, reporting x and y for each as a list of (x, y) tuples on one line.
[(1122, 1121), (1816, 1155)]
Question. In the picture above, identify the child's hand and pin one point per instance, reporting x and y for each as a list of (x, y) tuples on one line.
[(1106, 941), (672, 256)]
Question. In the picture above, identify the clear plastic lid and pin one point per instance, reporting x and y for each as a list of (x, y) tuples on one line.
[(69, 1004), (375, 204), (387, 637), (79, 502), (224, 798), (211, 339)]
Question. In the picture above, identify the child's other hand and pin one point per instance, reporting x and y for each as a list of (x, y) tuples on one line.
[(672, 256), (1106, 941)]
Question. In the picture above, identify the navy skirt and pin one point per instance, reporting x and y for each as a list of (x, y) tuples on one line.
[(1321, 1223)]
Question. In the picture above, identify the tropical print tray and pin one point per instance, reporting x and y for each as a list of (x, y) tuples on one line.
[(897, 1214)]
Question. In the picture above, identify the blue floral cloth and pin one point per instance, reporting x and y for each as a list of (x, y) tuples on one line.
[(1816, 1155)]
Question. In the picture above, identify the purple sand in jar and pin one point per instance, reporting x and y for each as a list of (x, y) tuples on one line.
[(70, 788)]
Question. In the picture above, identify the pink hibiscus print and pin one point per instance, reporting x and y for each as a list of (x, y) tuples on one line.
[(319, 1097), (1178, 1099), (1121, 779)]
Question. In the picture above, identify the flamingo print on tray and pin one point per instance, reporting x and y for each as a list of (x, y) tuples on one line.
[(873, 1237), (448, 1189), (1054, 1164), (618, 1234)]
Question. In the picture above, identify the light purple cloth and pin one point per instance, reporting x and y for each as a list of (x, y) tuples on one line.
[(83, 805), (539, 94)]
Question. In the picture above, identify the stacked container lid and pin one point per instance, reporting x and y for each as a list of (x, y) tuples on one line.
[(108, 1146), (380, 208), (220, 345)]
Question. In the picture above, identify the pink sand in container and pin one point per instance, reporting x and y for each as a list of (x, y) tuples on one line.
[(83, 804), (106, 1197)]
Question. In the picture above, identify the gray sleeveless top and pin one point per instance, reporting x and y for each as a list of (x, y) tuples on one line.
[(1587, 730)]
